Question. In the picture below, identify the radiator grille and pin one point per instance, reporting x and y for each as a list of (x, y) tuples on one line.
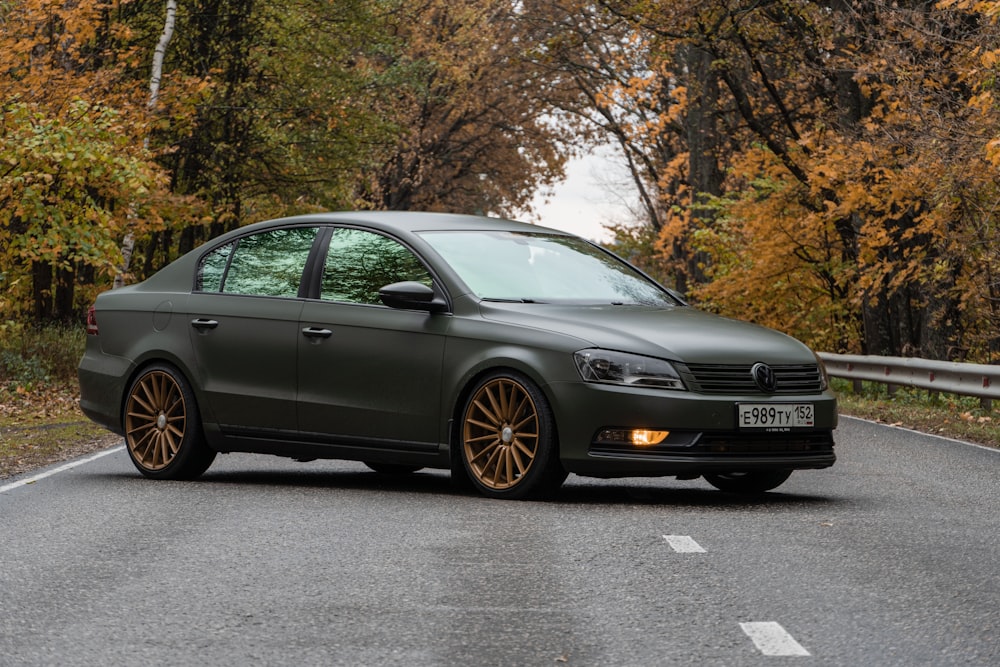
[(737, 379)]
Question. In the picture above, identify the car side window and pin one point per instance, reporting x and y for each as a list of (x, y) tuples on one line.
[(360, 262), (212, 269), (265, 264)]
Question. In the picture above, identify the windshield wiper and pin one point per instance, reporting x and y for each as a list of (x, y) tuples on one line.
[(499, 300)]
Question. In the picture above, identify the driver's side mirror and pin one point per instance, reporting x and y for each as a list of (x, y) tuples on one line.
[(411, 295)]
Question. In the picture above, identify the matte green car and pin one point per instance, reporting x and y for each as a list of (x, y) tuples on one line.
[(508, 353)]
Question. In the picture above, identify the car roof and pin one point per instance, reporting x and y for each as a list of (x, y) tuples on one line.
[(408, 221)]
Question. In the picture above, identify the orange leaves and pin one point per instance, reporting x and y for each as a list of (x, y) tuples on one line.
[(857, 147), (993, 152), (988, 8), (49, 45)]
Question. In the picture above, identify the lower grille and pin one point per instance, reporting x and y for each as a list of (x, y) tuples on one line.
[(736, 444), (772, 443)]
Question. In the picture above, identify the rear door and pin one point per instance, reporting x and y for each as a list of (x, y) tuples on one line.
[(245, 330), (369, 375)]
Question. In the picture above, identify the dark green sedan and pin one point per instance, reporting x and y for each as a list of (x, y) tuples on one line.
[(508, 353)]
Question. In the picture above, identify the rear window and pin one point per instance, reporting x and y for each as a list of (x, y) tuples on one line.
[(266, 264)]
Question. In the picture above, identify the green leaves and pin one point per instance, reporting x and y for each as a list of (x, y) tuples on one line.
[(70, 183)]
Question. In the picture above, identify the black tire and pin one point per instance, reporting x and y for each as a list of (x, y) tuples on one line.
[(392, 468), (163, 430), (507, 439), (757, 481)]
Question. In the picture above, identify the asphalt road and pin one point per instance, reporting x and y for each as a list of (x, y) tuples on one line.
[(892, 557)]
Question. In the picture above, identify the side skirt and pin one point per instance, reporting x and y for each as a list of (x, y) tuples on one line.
[(296, 445)]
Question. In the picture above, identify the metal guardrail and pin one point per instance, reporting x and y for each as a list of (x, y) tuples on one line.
[(980, 380)]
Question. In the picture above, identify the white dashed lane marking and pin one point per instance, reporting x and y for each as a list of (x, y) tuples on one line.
[(683, 544), (772, 639)]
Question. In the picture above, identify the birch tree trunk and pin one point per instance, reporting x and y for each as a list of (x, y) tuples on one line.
[(128, 243)]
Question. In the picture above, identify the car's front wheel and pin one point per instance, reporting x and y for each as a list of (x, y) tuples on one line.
[(757, 481), (508, 440), (163, 432)]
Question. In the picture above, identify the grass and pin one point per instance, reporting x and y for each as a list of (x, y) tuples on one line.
[(40, 417), (959, 417), (41, 422)]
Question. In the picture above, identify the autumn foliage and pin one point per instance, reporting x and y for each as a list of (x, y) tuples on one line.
[(829, 169), (71, 158)]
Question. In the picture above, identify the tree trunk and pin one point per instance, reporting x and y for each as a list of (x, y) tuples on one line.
[(65, 290), (128, 243), (41, 282)]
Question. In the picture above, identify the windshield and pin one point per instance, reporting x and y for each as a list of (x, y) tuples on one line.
[(543, 268)]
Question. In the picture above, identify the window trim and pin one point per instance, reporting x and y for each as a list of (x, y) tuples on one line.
[(321, 229), (316, 280), (310, 287)]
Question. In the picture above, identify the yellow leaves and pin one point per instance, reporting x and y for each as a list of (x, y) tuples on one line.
[(993, 152), (979, 419), (72, 182), (990, 59), (988, 8)]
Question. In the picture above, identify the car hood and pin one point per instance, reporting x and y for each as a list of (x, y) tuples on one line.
[(680, 333)]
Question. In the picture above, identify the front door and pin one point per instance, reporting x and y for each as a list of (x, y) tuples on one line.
[(370, 375)]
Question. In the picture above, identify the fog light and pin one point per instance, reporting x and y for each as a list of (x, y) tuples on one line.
[(642, 437)]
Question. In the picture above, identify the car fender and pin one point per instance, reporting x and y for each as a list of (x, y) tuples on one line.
[(536, 364), (166, 339)]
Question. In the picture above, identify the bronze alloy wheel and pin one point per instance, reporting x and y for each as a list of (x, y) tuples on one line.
[(500, 433), (162, 428), (155, 420)]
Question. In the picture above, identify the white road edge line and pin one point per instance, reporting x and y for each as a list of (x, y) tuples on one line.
[(929, 435), (62, 468), (772, 639), (683, 544)]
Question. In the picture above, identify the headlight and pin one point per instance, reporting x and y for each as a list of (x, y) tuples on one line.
[(631, 370)]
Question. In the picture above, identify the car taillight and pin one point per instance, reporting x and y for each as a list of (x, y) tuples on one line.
[(92, 321)]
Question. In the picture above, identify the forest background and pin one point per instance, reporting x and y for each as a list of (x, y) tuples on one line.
[(829, 169)]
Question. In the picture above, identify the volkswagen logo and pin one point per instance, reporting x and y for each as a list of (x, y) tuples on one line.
[(763, 375)]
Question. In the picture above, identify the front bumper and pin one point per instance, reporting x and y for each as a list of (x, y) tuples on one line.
[(704, 436)]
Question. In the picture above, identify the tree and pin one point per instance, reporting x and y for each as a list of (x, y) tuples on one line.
[(846, 126), (67, 184), (282, 121), (470, 109), (69, 146)]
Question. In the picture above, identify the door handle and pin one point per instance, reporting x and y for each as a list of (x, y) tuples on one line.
[(202, 323), (316, 332)]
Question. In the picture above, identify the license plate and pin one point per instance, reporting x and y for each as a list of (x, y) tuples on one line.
[(773, 416)]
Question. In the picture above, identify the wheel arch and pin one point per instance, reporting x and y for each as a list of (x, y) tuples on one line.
[(164, 357), (473, 377)]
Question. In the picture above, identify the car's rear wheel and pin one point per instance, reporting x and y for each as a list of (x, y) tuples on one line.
[(757, 481), (163, 432), (392, 468), (508, 440)]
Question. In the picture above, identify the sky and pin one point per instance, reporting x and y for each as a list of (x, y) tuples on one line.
[(594, 193)]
